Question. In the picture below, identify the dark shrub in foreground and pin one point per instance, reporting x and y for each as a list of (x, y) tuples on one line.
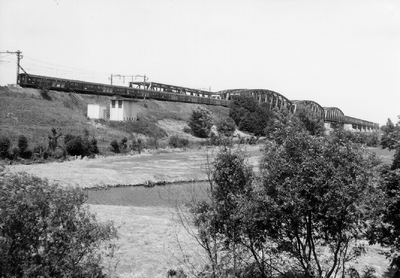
[(46, 231)]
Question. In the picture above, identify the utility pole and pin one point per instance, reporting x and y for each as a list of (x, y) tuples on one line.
[(19, 57), (132, 76)]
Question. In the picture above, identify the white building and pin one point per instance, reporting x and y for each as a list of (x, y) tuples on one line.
[(123, 110), (95, 111)]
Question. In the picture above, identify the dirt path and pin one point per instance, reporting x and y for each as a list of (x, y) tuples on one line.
[(130, 169)]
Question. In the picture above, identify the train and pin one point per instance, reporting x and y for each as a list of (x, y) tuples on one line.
[(147, 91), (164, 92)]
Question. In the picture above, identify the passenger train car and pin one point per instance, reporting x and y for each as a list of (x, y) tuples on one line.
[(68, 85)]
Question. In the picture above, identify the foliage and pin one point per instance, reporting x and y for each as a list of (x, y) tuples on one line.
[(114, 146), (364, 138), (200, 123), (226, 127), (5, 145), (137, 145), (40, 152), (22, 143), (123, 144), (176, 142), (313, 124), (53, 139), (45, 231), (319, 193), (386, 231), (78, 146), (391, 135), (250, 116), (304, 215), (24, 152)]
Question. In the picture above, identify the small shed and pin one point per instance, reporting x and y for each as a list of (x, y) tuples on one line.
[(96, 111), (124, 110)]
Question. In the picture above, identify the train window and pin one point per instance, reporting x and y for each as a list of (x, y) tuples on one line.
[(119, 103), (112, 103)]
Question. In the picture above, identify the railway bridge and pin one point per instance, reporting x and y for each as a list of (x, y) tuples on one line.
[(332, 116)]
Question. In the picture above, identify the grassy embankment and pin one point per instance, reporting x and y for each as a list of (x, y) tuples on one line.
[(32, 113)]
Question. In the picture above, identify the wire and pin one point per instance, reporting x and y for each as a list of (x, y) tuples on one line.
[(59, 67)]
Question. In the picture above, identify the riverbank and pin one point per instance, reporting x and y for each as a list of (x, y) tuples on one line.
[(132, 170)]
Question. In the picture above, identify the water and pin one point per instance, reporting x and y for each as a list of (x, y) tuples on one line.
[(167, 195)]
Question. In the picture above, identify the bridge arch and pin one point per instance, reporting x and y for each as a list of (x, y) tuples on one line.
[(334, 114), (274, 99), (312, 106)]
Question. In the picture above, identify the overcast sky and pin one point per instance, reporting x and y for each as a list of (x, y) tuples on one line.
[(344, 54)]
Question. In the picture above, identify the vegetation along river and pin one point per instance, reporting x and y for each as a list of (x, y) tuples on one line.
[(167, 195)]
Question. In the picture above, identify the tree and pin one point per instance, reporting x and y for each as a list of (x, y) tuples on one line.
[(318, 193), (46, 231), (218, 225), (226, 127), (249, 115), (114, 146), (201, 123), (53, 139), (313, 124), (24, 152), (5, 145), (386, 231), (391, 135)]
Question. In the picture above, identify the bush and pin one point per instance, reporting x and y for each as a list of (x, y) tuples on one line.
[(187, 129), (46, 231), (40, 151), (226, 127), (5, 145), (114, 146), (200, 123), (22, 143), (24, 152), (75, 146), (123, 145), (176, 142), (251, 116)]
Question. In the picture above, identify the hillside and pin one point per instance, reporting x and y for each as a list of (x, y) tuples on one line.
[(33, 113)]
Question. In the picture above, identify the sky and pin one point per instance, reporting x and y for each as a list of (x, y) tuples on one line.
[(341, 53)]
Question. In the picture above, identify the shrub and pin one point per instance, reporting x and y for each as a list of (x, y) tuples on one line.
[(176, 142), (46, 231), (200, 123), (40, 152), (123, 144), (68, 138), (226, 127), (75, 146), (22, 143), (24, 152), (137, 145), (15, 152), (93, 149), (5, 145), (114, 146)]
